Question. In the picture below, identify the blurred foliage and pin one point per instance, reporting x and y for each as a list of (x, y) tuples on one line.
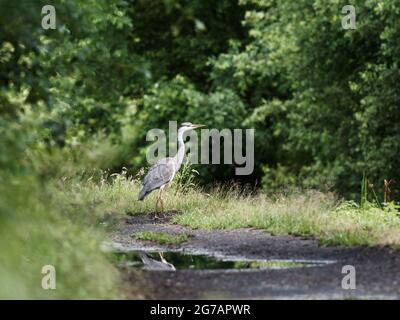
[(35, 231)]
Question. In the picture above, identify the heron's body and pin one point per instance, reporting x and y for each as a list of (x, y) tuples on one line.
[(163, 171), (159, 175)]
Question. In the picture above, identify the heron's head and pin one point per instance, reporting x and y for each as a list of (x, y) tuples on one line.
[(186, 126)]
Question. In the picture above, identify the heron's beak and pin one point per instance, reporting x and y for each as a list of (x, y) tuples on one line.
[(195, 126)]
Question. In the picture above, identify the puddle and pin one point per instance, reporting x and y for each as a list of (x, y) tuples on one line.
[(182, 261)]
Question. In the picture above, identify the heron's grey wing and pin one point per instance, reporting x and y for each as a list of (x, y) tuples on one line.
[(159, 174)]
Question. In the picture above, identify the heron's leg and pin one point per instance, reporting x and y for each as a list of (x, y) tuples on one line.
[(162, 204), (161, 200), (157, 201)]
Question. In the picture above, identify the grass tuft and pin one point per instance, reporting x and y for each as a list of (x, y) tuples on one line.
[(161, 237)]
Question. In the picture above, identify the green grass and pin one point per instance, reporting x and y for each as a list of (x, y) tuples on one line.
[(267, 264), (161, 237), (308, 213)]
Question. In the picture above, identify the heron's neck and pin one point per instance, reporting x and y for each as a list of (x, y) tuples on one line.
[(180, 155)]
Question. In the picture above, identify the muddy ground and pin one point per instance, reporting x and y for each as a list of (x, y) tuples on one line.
[(377, 269)]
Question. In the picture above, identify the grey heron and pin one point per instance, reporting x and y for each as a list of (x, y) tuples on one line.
[(163, 171)]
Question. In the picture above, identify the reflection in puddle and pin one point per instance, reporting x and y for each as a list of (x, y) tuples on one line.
[(180, 260), (151, 263)]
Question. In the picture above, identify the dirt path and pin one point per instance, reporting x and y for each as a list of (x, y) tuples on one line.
[(377, 269)]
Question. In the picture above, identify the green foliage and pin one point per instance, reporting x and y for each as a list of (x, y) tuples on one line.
[(71, 69), (322, 96), (177, 37)]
